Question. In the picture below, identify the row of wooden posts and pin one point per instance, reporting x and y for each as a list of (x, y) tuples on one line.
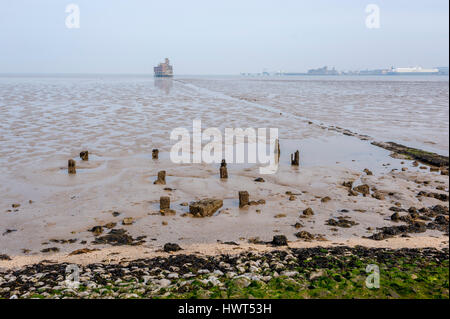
[(295, 161)]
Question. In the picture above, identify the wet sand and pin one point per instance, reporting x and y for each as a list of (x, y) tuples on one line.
[(121, 120)]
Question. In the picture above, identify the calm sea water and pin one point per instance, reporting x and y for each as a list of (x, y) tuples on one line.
[(413, 110), (55, 113)]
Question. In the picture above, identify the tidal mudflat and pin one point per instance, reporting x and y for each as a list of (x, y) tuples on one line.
[(350, 189)]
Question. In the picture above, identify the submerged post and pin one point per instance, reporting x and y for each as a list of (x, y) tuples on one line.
[(243, 198), (72, 167), (295, 158), (155, 153), (164, 202), (161, 178), (84, 155), (277, 150), (223, 169)]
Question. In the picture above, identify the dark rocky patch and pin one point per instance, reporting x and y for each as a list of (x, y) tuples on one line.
[(341, 221), (279, 240), (118, 237), (170, 247), (422, 156)]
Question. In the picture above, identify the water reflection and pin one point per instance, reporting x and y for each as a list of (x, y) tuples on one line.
[(164, 84)]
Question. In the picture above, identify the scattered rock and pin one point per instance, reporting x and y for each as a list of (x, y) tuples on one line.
[(110, 225), (304, 235), (341, 221), (82, 251), (348, 184), (395, 217), (308, 212), (439, 196), (97, 230), (279, 240), (378, 195), (298, 225), (363, 189), (170, 247), (325, 199), (367, 171), (8, 231), (259, 180), (127, 221), (118, 237), (4, 257), (50, 250)]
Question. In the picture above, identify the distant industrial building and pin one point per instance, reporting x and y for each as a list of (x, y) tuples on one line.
[(163, 70), (323, 71), (412, 71)]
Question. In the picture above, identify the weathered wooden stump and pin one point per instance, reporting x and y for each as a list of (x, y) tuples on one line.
[(155, 153), (295, 159), (72, 167), (164, 202), (84, 155), (277, 149), (161, 178), (223, 169), (243, 198)]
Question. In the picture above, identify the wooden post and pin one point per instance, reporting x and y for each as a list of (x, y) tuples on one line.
[(84, 155), (72, 167), (155, 153), (295, 158), (164, 202), (277, 149), (243, 198), (161, 178), (223, 169)]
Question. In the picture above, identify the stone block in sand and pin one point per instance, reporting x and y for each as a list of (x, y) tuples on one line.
[(205, 207)]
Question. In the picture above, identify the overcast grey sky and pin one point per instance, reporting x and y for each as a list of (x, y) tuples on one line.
[(220, 37)]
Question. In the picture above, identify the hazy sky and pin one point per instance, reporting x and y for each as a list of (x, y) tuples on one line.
[(220, 37)]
